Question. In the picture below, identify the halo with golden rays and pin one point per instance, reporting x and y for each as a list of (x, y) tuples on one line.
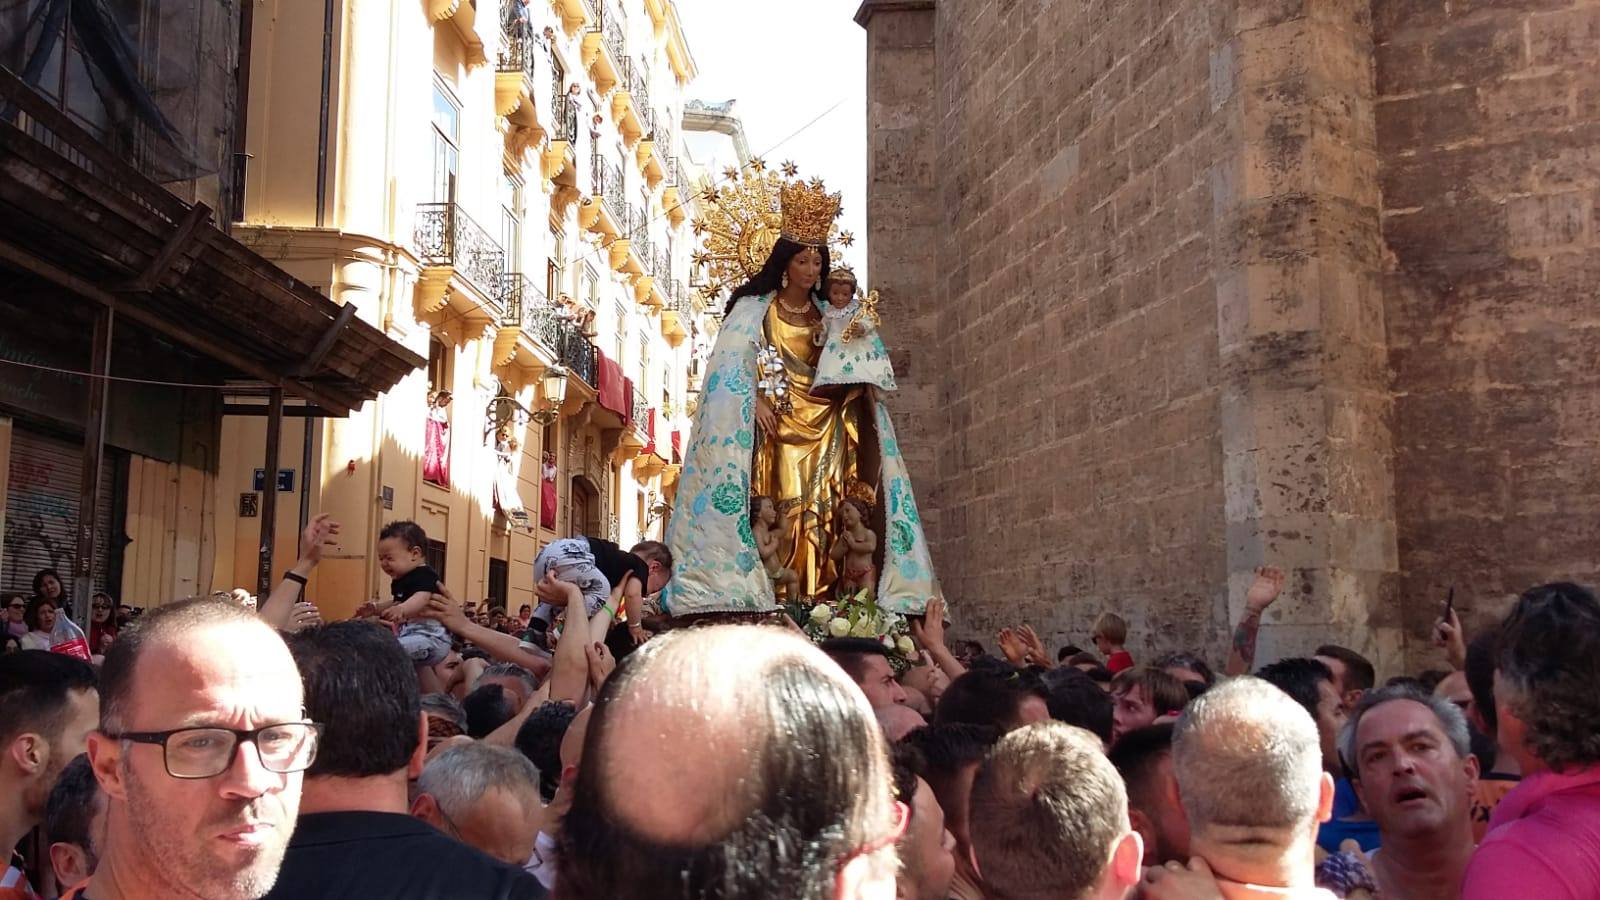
[(740, 221)]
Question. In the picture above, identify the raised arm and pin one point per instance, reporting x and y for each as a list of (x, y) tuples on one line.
[(569, 676), (503, 647), (1264, 590), (279, 605), (930, 634)]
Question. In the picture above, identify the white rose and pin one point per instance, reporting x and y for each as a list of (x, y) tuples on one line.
[(906, 646), (888, 643), (864, 628), (821, 613), (839, 627)]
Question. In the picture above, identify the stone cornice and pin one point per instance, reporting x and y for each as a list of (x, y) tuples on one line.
[(869, 8)]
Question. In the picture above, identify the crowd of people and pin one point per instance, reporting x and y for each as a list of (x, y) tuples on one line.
[(587, 749)]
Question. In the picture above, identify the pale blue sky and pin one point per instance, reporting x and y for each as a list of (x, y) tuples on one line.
[(787, 63)]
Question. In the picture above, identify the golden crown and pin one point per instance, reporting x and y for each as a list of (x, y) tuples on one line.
[(808, 212), (842, 272), (742, 218)]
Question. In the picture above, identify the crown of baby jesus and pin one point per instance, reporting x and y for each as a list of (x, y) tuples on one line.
[(808, 212)]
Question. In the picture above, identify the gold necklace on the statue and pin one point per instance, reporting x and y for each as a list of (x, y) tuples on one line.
[(804, 307)]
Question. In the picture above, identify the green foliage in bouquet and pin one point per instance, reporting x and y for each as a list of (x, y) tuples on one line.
[(857, 616)]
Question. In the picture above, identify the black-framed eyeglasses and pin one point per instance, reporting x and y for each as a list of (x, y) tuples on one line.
[(208, 752)]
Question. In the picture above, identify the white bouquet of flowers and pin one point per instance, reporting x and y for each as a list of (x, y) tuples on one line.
[(858, 616)]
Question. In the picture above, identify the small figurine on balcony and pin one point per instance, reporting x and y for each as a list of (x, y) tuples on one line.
[(436, 440), (764, 526), (853, 550)]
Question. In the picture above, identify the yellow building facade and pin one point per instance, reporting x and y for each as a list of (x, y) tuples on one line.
[(497, 187)]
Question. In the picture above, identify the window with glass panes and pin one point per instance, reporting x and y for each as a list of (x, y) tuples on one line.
[(446, 143)]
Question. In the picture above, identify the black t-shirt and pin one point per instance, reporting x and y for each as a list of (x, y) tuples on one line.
[(369, 855), (422, 578), (616, 563)]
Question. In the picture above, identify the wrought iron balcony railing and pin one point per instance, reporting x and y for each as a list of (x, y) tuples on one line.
[(608, 186), (529, 309), (446, 236), (564, 115), (610, 24), (641, 412), (576, 353), (518, 49), (642, 247), (669, 165), (639, 87), (663, 264)]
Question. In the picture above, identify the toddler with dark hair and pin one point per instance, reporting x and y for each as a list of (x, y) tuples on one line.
[(412, 583)]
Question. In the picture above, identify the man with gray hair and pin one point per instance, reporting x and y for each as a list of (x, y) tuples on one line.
[(483, 796), (1410, 760), (1248, 761)]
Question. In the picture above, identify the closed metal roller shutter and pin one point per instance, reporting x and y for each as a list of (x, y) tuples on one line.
[(42, 512)]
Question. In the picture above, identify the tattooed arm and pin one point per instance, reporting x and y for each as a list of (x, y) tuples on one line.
[(1264, 590)]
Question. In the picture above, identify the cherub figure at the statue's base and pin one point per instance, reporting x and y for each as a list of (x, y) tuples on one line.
[(853, 550), (763, 524)]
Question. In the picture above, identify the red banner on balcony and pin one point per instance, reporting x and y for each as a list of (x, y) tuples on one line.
[(615, 391), (677, 447)]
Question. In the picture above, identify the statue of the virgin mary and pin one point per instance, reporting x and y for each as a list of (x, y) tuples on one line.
[(792, 411)]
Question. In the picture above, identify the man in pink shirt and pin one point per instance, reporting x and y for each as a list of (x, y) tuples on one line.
[(1544, 837)]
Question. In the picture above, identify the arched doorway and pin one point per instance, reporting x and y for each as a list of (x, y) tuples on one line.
[(585, 508)]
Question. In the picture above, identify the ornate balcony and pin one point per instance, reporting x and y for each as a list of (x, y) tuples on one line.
[(463, 17), (561, 155), (453, 249), (575, 15), (518, 70), (672, 199), (605, 49), (530, 330), (676, 314), (577, 354), (626, 106), (641, 257), (604, 212)]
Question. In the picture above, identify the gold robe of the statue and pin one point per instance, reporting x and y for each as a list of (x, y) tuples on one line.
[(807, 466)]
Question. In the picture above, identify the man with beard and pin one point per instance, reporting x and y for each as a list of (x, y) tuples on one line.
[(1410, 760), (355, 837), (201, 744), (48, 706)]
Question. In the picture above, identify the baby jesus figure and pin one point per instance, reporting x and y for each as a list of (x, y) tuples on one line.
[(854, 548), (764, 525)]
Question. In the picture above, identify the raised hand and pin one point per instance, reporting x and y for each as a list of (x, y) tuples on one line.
[(1265, 589), (319, 533), (1447, 636), (1034, 648), (1011, 646), (601, 663), (929, 631), (557, 593)]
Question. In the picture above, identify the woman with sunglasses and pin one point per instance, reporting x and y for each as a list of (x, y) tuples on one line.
[(15, 605), (102, 624)]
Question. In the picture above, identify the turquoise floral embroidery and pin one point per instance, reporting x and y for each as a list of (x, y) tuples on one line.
[(745, 534), (901, 537), (891, 447), (737, 381), (712, 382), (746, 560), (744, 439), (700, 505), (729, 499)]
